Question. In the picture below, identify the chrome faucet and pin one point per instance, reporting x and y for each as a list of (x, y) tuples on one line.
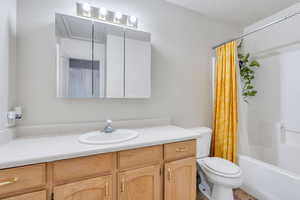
[(108, 128)]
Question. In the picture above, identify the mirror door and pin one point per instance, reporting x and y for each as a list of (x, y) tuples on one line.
[(137, 64), (112, 38), (74, 43)]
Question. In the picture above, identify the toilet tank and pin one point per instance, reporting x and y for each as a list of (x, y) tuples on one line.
[(203, 142)]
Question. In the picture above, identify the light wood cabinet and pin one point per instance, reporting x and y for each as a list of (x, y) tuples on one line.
[(151, 173), (31, 196), (140, 157), (92, 189), (180, 180), (19, 179), (143, 183), (179, 150), (74, 169)]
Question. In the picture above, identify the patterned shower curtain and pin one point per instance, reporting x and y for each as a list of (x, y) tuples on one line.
[(224, 139)]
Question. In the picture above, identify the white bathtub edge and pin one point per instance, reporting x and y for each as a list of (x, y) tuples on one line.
[(257, 194), (263, 187), (272, 167)]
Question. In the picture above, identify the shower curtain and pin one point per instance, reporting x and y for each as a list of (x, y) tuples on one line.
[(241, 134), (224, 138)]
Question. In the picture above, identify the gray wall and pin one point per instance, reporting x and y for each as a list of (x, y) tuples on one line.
[(181, 70), (7, 57)]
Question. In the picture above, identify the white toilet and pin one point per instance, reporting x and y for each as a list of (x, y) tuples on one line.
[(217, 176)]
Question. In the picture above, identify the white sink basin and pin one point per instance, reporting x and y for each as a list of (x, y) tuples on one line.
[(118, 136)]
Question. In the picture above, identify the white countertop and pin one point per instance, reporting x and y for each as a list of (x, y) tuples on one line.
[(26, 151)]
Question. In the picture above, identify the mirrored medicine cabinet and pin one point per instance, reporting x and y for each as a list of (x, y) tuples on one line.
[(100, 60)]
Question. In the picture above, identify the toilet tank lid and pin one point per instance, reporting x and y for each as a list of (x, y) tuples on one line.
[(202, 130)]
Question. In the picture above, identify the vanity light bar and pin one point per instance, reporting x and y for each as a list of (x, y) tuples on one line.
[(86, 10)]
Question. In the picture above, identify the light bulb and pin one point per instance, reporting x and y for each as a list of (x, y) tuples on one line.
[(103, 12), (133, 19), (118, 15), (86, 7)]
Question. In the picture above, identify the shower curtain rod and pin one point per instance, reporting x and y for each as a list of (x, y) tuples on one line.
[(259, 29)]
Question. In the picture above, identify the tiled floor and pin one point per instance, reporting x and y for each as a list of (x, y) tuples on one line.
[(238, 195)]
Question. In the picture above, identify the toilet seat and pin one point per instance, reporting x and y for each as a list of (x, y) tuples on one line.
[(221, 167)]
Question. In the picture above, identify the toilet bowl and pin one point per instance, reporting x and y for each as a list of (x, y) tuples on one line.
[(222, 175)]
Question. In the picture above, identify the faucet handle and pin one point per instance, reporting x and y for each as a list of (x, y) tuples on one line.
[(108, 128)]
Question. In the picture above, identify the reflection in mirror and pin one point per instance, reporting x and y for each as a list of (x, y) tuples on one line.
[(99, 46), (78, 69), (83, 76), (113, 39)]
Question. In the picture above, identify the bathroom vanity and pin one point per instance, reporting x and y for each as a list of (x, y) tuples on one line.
[(163, 167)]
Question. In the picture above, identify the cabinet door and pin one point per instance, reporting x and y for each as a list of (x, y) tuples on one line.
[(115, 65), (180, 180), (137, 64), (75, 62), (92, 189), (144, 183)]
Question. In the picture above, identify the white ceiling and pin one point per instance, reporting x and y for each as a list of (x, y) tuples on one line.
[(241, 12)]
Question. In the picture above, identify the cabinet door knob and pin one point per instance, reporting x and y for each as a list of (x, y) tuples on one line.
[(9, 181), (123, 185), (106, 189), (169, 174)]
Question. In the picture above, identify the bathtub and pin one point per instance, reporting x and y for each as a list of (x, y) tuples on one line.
[(268, 182)]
